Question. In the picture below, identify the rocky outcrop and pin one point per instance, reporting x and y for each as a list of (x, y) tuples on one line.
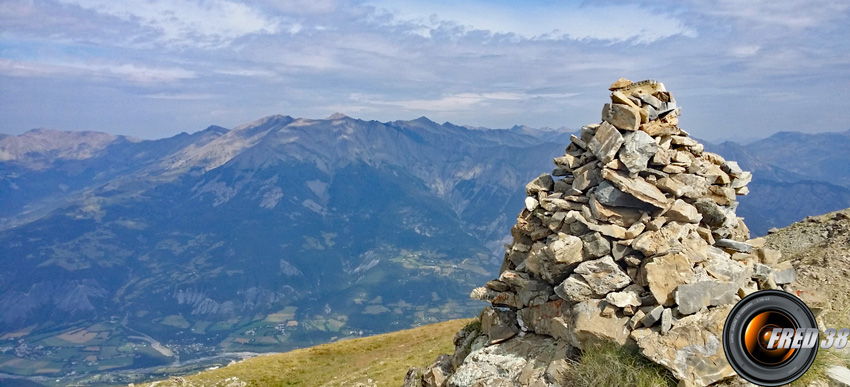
[(633, 239)]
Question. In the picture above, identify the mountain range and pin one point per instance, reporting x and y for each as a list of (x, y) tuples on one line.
[(122, 253)]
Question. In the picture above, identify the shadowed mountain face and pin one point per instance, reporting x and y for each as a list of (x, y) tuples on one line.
[(287, 232)]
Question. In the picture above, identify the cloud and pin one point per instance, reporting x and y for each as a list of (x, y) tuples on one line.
[(454, 102), (130, 72), (744, 51), (302, 6), (612, 23), (779, 13), (188, 23), (183, 96)]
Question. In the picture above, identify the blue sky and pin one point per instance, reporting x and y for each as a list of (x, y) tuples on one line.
[(154, 68)]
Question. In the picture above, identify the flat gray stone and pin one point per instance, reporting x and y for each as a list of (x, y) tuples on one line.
[(595, 245), (609, 195), (693, 297), (638, 148), (734, 245), (653, 317)]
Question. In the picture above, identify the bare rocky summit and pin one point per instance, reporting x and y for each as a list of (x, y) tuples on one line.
[(632, 239)]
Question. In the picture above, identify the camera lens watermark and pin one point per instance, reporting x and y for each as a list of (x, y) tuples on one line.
[(771, 338)]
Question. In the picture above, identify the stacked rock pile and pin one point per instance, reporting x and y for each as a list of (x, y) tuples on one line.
[(632, 239)]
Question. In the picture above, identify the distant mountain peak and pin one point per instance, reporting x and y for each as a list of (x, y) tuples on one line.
[(337, 116)]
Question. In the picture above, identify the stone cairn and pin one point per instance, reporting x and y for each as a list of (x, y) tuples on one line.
[(632, 239)]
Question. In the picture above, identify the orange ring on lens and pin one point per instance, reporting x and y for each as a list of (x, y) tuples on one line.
[(752, 338)]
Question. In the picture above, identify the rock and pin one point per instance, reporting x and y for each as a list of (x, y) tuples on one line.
[(742, 180), (514, 279), (496, 298), (663, 241), (839, 375), (620, 250), (666, 273), (558, 372), (505, 363), (467, 340), (623, 299), (541, 262), (714, 215), (567, 162), (692, 350), (636, 187), (497, 285), (603, 275), (653, 316), (436, 374), (635, 320), (715, 175), (672, 186), (611, 230), (620, 216), (732, 168), (619, 84), (612, 196), (574, 289), (595, 245), (534, 293), (681, 211), (672, 169), (656, 128), (543, 183), (784, 273), (693, 297), (414, 377), (723, 196), (567, 249), (734, 245), (666, 320), (578, 142), (621, 116), (724, 269), (638, 148), (605, 143), (498, 325), (769, 256), (590, 326), (531, 203), (695, 186), (586, 176)]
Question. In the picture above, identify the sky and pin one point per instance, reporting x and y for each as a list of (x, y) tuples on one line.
[(154, 68)]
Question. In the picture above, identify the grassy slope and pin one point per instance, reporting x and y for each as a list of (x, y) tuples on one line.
[(384, 359)]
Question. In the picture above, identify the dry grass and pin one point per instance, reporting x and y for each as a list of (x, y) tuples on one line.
[(381, 360), (610, 365)]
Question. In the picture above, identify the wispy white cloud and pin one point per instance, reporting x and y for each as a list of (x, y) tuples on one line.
[(183, 96), (301, 6), (193, 23), (611, 23), (780, 13), (129, 72), (454, 102)]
